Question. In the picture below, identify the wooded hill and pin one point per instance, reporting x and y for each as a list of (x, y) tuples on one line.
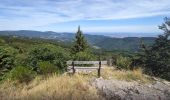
[(130, 44)]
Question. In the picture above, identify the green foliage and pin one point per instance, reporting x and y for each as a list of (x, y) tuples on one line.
[(21, 59), (60, 64), (46, 67), (2, 41), (21, 74), (55, 55), (123, 62), (43, 53), (7, 56), (84, 56), (41, 56), (80, 44), (156, 58)]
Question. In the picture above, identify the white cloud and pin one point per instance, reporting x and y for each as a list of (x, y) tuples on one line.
[(32, 13)]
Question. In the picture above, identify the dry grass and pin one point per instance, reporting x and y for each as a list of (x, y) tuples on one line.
[(127, 75), (65, 87), (53, 88)]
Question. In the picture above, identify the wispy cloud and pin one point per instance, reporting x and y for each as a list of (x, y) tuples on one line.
[(35, 13)]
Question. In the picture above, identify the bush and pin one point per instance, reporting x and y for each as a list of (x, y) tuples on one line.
[(21, 74), (21, 59), (60, 64), (123, 62), (50, 53), (2, 41), (84, 56), (46, 67), (7, 56)]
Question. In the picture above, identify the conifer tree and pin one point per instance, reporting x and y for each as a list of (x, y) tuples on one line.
[(80, 44), (156, 58)]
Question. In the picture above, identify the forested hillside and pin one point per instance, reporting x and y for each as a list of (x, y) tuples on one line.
[(104, 42)]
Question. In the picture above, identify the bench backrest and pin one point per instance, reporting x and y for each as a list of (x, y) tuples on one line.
[(86, 62)]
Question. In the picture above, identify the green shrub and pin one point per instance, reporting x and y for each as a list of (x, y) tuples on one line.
[(60, 64), (46, 67), (2, 41), (84, 56), (7, 57), (51, 53), (21, 74), (21, 59), (123, 62)]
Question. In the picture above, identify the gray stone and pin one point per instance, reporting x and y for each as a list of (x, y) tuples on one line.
[(122, 90)]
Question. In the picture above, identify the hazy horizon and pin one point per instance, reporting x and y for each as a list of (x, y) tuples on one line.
[(110, 34)]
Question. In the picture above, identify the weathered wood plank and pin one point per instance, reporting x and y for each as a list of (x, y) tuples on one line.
[(87, 62), (77, 67)]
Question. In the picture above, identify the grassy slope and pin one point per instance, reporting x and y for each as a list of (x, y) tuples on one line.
[(65, 87)]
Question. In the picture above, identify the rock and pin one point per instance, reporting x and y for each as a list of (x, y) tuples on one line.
[(160, 86), (122, 90)]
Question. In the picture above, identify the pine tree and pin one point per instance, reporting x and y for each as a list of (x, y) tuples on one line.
[(80, 44)]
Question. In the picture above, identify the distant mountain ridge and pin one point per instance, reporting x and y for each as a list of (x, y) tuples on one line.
[(99, 41), (126, 34)]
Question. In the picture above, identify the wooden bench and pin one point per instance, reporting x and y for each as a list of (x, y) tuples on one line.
[(73, 65)]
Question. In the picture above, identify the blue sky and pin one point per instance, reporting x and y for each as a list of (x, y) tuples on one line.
[(136, 16)]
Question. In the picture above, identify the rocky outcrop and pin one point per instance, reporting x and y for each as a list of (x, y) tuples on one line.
[(122, 90)]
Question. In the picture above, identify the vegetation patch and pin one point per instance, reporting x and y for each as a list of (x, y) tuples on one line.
[(126, 75), (21, 74)]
